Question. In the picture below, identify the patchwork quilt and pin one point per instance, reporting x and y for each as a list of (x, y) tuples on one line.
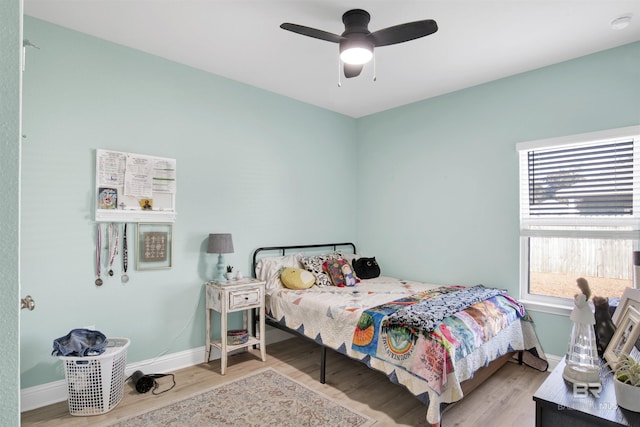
[(426, 332), (430, 362)]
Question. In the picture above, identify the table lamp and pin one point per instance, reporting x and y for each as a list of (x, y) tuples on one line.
[(220, 244)]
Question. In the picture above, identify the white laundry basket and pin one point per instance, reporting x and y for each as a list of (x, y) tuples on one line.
[(96, 383)]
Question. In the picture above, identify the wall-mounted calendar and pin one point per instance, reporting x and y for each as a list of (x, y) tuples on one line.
[(134, 187)]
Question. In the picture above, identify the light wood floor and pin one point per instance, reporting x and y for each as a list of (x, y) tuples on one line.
[(503, 400)]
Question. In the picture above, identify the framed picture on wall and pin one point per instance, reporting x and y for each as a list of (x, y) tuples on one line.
[(155, 246)]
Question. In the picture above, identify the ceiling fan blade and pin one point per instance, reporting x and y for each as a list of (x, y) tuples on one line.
[(312, 32), (351, 70), (403, 32)]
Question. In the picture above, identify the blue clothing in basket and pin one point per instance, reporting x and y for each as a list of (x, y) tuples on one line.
[(80, 342)]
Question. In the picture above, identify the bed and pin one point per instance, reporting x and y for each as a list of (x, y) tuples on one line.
[(439, 342)]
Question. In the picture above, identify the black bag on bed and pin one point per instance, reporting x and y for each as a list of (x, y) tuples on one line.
[(366, 268)]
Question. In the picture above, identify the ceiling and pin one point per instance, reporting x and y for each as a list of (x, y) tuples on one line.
[(477, 41)]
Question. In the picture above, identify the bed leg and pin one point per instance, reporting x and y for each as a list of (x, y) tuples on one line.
[(323, 363)]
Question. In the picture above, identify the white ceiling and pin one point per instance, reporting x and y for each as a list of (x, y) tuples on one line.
[(477, 41)]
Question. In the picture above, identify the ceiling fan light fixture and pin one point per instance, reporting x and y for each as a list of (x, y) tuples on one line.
[(357, 42), (356, 55), (356, 51)]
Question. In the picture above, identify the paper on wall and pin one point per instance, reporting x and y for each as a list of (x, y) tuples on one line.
[(111, 166), (164, 176), (138, 178)]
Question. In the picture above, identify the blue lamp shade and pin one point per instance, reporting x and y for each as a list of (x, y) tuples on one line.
[(220, 243)]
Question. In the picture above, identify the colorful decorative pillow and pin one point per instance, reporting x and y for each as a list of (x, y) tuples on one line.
[(340, 272), (366, 268), (350, 277), (297, 278), (269, 269), (314, 265)]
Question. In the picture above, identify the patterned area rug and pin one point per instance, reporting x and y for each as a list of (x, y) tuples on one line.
[(265, 398)]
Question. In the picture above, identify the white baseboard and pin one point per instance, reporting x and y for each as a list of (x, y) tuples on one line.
[(47, 394), (553, 361), (56, 391)]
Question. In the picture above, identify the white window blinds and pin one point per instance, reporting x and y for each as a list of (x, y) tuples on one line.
[(587, 181), (592, 180)]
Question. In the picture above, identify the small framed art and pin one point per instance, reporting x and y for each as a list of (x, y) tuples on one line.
[(625, 337), (630, 297), (155, 246), (107, 198)]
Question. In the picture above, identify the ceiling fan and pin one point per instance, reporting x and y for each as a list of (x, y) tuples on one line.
[(357, 42)]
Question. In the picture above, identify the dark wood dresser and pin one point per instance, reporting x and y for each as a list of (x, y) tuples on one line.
[(558, 405)]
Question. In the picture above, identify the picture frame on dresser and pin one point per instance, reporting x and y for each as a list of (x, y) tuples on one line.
[(155, 246), (625, 337), (630, 297)]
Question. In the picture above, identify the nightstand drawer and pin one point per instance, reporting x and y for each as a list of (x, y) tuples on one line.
[(244, 298)]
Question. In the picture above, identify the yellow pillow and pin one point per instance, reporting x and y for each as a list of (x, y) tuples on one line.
[(297, 278)]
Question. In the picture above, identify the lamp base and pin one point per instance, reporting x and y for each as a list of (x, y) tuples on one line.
[(219, 277), (581, 374)]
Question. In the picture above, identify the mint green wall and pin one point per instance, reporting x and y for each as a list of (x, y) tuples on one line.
[(438, 179), (10, 43), (265, 168), (272, 170)]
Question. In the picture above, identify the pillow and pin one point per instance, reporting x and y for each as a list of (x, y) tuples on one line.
[(314, 265), (340, 272), (269, 268), (297, 278), (366, 268), (350, 257)]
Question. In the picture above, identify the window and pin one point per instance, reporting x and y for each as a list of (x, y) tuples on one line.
[(579, 215)]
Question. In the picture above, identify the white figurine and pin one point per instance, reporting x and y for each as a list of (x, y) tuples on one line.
[(582, 355)]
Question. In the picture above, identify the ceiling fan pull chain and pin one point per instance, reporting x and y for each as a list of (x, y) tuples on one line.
[(339, 67)]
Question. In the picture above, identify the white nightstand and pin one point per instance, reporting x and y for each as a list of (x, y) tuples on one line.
[(227, 297)]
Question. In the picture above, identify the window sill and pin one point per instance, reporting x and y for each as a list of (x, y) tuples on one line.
[(545, 307)]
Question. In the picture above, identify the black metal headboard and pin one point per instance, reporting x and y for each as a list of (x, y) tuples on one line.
[(283, 250)]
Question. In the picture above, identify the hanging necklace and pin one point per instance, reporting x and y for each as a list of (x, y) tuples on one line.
[(98, 251), (113, 249), (125, 256)]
